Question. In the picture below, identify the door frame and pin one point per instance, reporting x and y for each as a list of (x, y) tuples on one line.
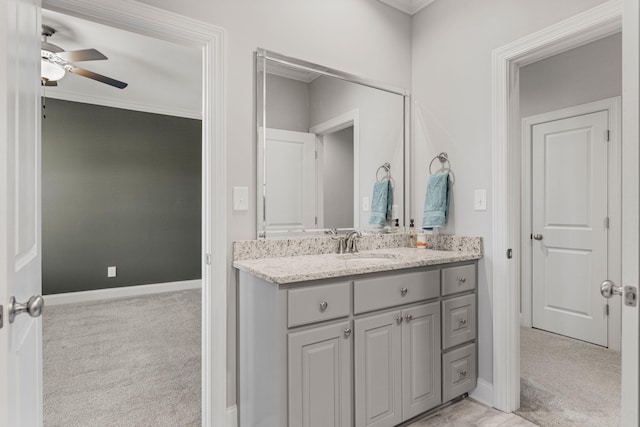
[(613, 106), (335, 124), (591, 25), (154, 22)]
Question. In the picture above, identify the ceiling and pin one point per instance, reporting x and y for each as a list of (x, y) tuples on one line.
[(163, 77), (409, 7)]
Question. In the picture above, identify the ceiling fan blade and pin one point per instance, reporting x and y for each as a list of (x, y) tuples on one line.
[(82, 55), (98, 77)]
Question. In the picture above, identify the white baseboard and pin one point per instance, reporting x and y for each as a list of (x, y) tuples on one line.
[(232, 416), (125, 291), (483, 393)]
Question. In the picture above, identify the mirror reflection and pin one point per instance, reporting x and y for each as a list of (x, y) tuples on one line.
[(323, 138)]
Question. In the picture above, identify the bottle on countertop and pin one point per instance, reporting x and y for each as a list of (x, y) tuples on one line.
[(421, 242), (413, 237)]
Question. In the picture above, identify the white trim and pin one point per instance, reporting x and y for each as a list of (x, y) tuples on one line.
[(343, 121), (122, 292), (583, 28), (232, 416), (122, 104), (154, 22), (613, 107), (483, 392)]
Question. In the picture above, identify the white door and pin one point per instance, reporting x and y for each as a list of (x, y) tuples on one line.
[(569, 209), (20, 249), (290, 159)]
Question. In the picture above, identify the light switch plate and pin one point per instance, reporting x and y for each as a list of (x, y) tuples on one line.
[(111, 271), (365, 204), (240, 198), (480, 200)]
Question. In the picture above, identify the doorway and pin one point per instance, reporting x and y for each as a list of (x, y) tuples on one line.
[(153, 22), (599, 22)]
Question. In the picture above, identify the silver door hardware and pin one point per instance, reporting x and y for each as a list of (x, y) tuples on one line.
[(323, 305), (509, 253), (347, 332), (537, 236), (1, 311), (461, 279), (399, 318), (33, 307), (403, 291), (408, 317), (608, 289)]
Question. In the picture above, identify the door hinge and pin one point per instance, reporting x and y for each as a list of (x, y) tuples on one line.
[(606, 223), (207, 258), (316, 154), (316, 220), (1, 317), (606, 309), (608, 135)]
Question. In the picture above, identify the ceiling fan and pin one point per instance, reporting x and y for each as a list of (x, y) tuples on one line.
[(55, 62)]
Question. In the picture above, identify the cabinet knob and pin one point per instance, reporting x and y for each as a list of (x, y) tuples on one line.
[(461, 280), (463, 374), (347, 332), (403, 291), (323, 305), (398, 318), (462, 322), (408, 317)]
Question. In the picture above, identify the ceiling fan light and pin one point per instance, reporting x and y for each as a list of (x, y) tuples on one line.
[(50, 71)]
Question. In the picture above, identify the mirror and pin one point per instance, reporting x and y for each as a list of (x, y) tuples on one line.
[(323, 137)]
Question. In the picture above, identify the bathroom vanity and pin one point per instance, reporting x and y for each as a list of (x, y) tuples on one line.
[(373, 339)]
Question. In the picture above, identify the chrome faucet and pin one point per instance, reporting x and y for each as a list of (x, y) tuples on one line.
[(351, 241)]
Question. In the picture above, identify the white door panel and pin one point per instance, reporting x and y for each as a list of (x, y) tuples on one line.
[(20, 270), (569, 206), (290, 180)]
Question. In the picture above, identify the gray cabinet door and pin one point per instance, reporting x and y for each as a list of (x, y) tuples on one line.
[(320, 377), (378, 370), (421, 372)]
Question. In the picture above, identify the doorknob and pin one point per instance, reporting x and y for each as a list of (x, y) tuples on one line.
[(537, 236), (609, 289), (33, 307)]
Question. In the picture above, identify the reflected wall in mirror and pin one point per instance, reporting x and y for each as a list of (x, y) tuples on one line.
[(322, 136)]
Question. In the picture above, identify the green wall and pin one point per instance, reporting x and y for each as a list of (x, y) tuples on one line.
[(119, 188)]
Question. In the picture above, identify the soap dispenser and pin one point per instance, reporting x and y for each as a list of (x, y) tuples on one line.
[(413, 236)]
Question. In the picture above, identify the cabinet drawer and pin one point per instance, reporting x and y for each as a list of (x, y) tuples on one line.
[(458, 279), (389, 291), (458, 320), (318, 303), (459, 374)]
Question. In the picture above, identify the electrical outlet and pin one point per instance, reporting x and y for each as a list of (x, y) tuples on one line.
[(365, 204), (240, 198), (111, 271), (480, 200)]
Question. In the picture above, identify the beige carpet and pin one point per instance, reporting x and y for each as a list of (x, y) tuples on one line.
[(566, 382), (127, 362)]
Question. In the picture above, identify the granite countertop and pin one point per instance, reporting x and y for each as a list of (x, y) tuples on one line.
[(290, 269)]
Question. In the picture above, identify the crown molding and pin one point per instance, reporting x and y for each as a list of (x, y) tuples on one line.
[(410, 7)]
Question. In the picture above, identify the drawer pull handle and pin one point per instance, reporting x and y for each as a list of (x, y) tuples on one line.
[(408, 317), (461, 280), (403, 291), (399, 318), (347, 332), (463, 374), (462, 322), (323, 305)]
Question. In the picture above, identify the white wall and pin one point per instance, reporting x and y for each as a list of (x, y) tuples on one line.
[(452, 41), (584, 74), (338, 177), (287, 104), (365, 37)]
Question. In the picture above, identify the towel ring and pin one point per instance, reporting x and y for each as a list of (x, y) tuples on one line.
[(387, 169), (443, 158)]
